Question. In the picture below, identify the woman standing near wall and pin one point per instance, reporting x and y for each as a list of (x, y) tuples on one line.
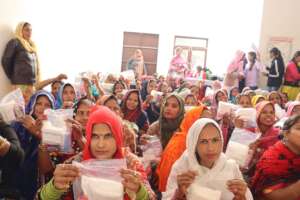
[(20, 61)]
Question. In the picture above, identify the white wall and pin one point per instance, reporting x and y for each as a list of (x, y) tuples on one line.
[(74, 36), (280, 19)]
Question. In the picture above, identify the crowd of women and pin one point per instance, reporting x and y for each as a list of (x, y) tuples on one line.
[(192, 162)]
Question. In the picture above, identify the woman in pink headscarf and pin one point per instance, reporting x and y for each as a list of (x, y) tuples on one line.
[(178, 65), (235, 70)]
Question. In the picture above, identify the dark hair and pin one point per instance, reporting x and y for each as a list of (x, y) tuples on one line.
[(276, 52), (239, 96), (290, 122), (83, 100), (54, 82), (253, 54), (26, 24), (297, 53), (116, 83)]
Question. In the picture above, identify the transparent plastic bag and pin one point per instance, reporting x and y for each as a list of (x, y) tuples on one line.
[(12, 106), (248, 115), (56, 134), (152, 150), (100, 180), (108, 87)]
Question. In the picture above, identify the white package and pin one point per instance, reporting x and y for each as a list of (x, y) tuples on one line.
[(156, 95), (225, 108), (128, 74), (248, 115), (108, 87), (12, 106), (101, 189), (100, 179), (151, 151), (196, 192), (279, 112), (55, 130), (243, 136), (238, 152)]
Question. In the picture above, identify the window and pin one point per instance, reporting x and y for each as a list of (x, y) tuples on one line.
[(194, 50), (147, 42)]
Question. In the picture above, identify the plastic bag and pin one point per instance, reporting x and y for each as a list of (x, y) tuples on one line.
[(248, 115), (156, 95), (196, 192), (238, 146), (12, 106), (55, 131), (151, 150), (279, 112), (128, 75), (108, 87), (225, 108), (100, 180)]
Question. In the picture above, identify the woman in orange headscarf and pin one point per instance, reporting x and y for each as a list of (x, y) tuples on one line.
[(177, 145)]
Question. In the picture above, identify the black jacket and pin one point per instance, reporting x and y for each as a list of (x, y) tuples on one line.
[(19, 65), (10, 162), (276, 73)]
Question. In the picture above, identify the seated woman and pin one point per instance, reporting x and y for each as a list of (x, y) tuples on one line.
[(204, 165), (293, 109), (104, 142), (191, 100), (177, 144), (151, 108), (118, 88), (277, 173), (275, 98), (172, 113), (29, 135), (66, 96), (133, 112), (257, 99), (265, 118)]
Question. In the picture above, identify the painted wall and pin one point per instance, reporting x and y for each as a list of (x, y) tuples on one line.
[(74, 36), (281, 28)]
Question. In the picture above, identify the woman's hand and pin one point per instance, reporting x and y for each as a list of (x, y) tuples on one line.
[(64, 175), (184, 181), (129, 137), (238, 188), (4, 146), (239, 123), (33, 126), (132, 180), (77, 132)]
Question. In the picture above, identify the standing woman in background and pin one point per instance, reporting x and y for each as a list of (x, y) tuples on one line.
[(291, 84), (136, 63), (276, 70), (20, 61)]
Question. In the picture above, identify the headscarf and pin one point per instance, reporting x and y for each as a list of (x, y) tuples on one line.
[(131, 115), (274, 92), (30, 106), (168, 127), (215, 101), (256, 98), (144, 91), (237, 62), (59, 100), (101, 114), (291, 107), (176, 146), (232, 99), (105, 98), (29, 46)]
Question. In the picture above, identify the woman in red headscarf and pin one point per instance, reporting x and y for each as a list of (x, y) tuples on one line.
[(104, 136)]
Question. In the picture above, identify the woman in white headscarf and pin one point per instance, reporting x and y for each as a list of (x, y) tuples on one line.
[(203, 171)]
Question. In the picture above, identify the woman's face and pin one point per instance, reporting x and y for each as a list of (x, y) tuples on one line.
[(27, 31), (132, 101), (245, 102), (296, 110), (195, 91), (272, 56), (250, 57), (164, 88), (42, 103), (190, 101), (151, 86), (119, 88), (267, 115), (54, 88), (275, 98), (235, 92), (68, 94), (209, 146), (172, 108), (83, 113), (103, 144), (113, 106), (221, 97), (260, 99), (293, 137)]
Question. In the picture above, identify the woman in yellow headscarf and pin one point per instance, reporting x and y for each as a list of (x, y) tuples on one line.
[(20, 60), (257, 98)]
